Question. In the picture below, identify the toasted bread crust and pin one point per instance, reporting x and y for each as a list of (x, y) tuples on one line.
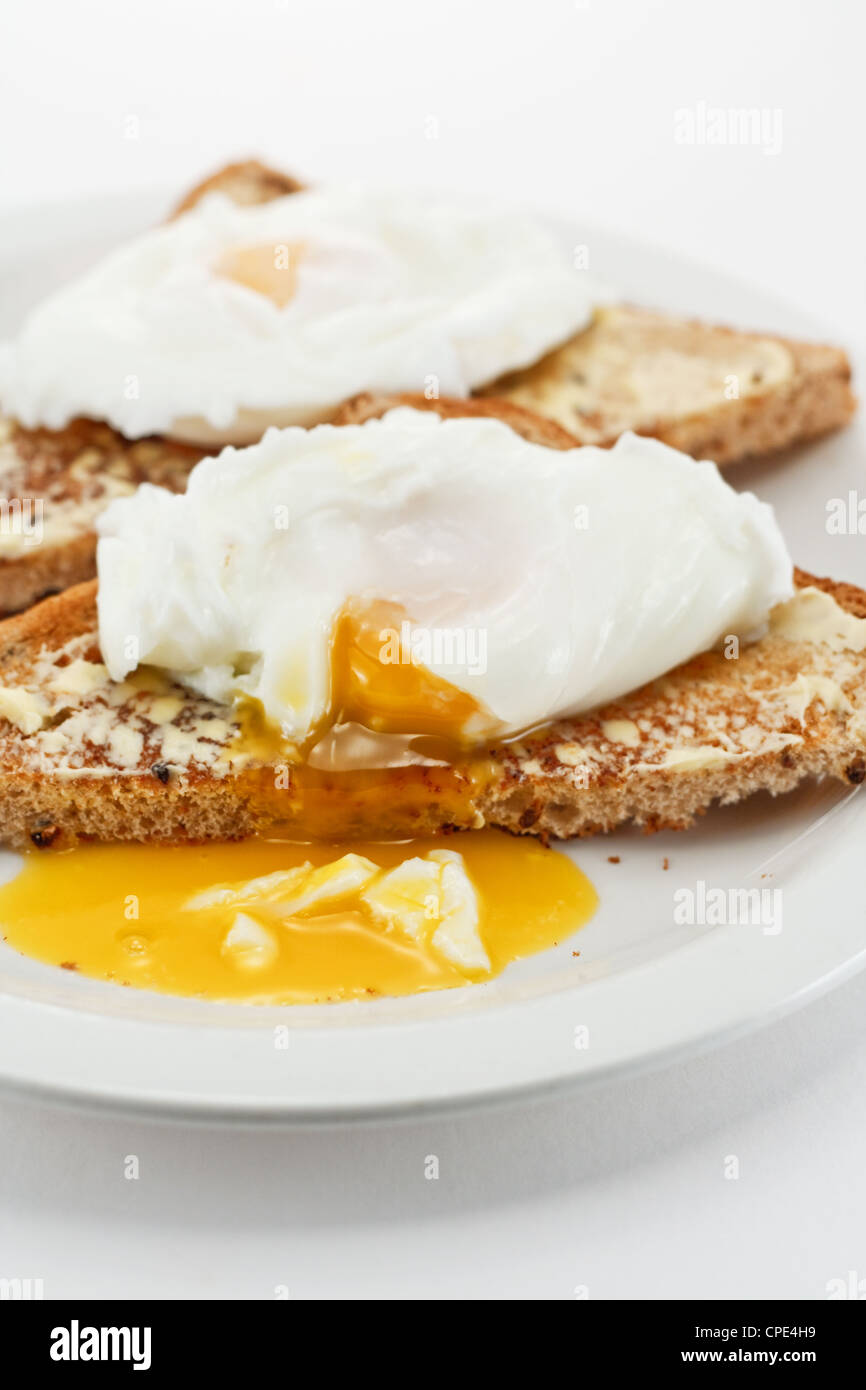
[(31, 577), (247, 182), (50, 624), (535, 428), (573, 779)]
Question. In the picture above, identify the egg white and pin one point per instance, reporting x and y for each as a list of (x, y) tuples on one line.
[(392, 293)]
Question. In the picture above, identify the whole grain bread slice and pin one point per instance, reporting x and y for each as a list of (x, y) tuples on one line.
[(84, 758)]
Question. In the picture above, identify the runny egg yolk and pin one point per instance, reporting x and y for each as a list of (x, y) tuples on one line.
[(376, 682), (149, 916), (270, 270)]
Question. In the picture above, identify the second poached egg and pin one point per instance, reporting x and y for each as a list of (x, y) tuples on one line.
[(231, 319)]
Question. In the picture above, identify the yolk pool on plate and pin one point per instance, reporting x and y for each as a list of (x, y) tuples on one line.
[(118, 913)]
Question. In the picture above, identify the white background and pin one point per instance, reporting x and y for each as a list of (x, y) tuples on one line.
[(572, 107)]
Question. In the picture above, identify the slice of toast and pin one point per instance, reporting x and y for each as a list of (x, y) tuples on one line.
[(712, 392), (63, 479), (84, 758), (665, 377)]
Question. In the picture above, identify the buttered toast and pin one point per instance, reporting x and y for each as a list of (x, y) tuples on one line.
[(82, 757)]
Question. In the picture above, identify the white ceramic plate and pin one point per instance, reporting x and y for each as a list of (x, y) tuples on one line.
[(643, 989)]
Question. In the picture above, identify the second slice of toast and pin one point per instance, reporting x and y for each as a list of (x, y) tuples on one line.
[(713, 392)]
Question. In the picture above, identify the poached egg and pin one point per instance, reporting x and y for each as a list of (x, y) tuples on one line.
[(419, 576), (232, 319)]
